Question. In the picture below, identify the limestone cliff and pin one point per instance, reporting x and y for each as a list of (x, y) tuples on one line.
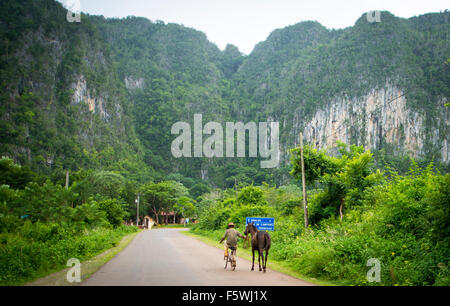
[(379, 119)]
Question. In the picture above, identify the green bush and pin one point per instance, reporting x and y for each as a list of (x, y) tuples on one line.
[(115, 212), (39, 248)]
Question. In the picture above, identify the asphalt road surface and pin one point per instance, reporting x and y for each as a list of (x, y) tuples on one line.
[(166, 257)]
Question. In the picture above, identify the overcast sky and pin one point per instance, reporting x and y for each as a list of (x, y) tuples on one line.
[(244, 23)]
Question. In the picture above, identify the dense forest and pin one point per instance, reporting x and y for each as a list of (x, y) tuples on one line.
[(97, 99)]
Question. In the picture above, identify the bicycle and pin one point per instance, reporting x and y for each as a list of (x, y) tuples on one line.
[(230, 258)]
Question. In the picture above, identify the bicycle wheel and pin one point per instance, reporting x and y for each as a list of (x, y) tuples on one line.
[(226, 260)]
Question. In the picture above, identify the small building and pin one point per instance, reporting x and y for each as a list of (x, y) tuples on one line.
[(172, 216)]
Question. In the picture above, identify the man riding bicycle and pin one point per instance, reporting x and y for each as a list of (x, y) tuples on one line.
[(231, 234)]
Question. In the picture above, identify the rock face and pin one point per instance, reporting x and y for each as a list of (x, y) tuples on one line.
[(379, 118), (83, 95), (133, 83)]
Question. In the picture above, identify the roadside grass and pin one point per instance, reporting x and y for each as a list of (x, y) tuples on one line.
[(88, 267), (280, 266)]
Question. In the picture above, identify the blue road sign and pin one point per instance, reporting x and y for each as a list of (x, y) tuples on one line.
[(262, 224)]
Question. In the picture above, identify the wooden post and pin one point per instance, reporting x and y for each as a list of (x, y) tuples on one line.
[(67, 179), (137, 210), (235, 190), (67, 186), (305, 202)]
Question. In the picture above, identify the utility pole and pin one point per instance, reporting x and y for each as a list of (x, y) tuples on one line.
[(67, 179), (67, 185), (305, 202), (235, 189), (137, 210)]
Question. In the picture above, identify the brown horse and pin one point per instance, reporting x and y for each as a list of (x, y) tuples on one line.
[(260, 242)]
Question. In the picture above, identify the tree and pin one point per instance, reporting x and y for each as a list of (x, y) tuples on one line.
[(199, 189), (251, 195), (107, 184), (345, 177), (160, 197), (115, 212), (14, 175), (185, 207), (317, 164)]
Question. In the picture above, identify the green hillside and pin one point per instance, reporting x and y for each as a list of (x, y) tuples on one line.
[(97, 100), (144, 76)]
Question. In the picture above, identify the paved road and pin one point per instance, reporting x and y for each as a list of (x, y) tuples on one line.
[(166, 257)]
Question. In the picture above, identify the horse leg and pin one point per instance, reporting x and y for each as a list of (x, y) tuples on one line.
[(259, 259), (265, 263), (253, 261)]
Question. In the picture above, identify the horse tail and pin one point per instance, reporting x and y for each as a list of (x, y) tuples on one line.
[(267, 241)]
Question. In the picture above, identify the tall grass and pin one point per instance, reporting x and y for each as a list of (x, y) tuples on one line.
[(38, 249)]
